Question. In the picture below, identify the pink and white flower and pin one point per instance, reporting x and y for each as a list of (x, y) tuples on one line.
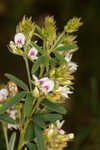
[(45, 84), (3, 94), (33, 53), (64, 91), (19, 40), (59, 125)]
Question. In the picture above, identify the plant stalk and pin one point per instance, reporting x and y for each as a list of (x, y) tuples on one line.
[(23, 131), (28, 72), (5, 135)]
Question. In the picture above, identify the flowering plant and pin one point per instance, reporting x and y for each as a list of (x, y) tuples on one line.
[(35, 110)]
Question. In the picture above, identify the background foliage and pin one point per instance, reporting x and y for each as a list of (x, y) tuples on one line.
[(83, 116)]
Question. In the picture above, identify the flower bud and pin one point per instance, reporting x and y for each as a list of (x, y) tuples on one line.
[(35, 92)]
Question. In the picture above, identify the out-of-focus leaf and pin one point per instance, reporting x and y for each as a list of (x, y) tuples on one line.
[(19, 82), (7, 119), (12, 141), (12, 102), (54, 107)]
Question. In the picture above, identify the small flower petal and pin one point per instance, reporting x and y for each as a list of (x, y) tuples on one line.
[(33, 53), (19, 40), (3, 94), (68, 57)]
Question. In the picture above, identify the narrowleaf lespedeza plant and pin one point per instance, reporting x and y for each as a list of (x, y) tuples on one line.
[(35, 110)]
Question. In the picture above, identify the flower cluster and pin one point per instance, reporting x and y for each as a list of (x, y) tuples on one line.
[(45, 84), (55, 137), (30, 107)]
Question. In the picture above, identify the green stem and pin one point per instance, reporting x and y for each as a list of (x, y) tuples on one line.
[(26, 125), (28, 72), (5, 135)]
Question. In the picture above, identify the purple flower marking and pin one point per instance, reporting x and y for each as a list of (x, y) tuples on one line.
[(46, 87), (32, 53)]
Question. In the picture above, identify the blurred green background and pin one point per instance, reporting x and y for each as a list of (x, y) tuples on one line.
[(84, 114)]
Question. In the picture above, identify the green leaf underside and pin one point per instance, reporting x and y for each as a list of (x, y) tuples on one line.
[(58, 41), (32, 146), (29, 135), (54, 107), (41, 60), (66, 48), (28, 104), (19, 82), (37, 47), (12, 102), (49, 116), (12, 141), (60, 57), (39, 122), (40, 138), (7, 119)]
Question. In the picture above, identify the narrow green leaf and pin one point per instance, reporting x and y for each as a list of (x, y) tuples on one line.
[(7, 119), (12, 102), (29, 135), (36, 65), (58, 41), (50, 117), (53, 61), (38, 29), (66, 48), (28, 104), (46, 61), (19, 82), (41, 60), (32, 146), (54, 107), (37, 47), (59, 57), (40, 138), (12, 141), (38, 121)]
